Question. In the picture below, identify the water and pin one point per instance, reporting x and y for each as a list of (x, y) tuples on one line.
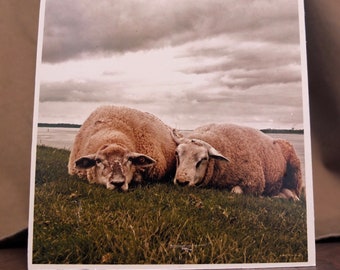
[(63, 138), (57, 137)]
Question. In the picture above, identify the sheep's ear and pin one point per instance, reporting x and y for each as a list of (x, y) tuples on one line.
[(178, 137), (86, 162), (213, 153), (141, 160)]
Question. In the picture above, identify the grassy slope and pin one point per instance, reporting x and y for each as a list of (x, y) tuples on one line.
[(158, 223)]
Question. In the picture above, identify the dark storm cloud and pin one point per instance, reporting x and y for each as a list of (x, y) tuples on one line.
[(250, 58), (77, 91), (272, 94), (247, 65), (247, 79), (89, 91), (81, 28)]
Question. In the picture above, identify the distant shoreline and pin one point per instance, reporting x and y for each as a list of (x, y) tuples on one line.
[(62, 125), (266, 130)]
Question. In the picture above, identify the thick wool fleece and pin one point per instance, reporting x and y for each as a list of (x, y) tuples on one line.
[(258, 164), (134, 130)]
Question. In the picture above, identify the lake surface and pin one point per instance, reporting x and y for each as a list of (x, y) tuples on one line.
[(57, 137), (63, 138)]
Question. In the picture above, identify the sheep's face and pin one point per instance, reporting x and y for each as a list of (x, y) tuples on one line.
[(193, 157), (192, 162), (114, 166)]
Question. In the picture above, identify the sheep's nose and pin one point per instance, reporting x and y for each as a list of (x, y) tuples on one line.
[(117, 184), (182, 183)]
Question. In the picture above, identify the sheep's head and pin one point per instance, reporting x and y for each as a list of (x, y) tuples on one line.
[(193, 157), (115, 166)]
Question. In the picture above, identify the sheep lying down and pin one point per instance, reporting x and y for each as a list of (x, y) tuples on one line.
[(241, 159), (117, 145)]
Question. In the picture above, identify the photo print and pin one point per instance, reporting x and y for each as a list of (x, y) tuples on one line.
[(171, 134)]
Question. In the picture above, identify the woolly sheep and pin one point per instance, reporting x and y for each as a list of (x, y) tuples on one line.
[(241, 159), (117, 145)]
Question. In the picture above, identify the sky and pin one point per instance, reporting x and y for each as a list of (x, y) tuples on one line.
[(189, 62)]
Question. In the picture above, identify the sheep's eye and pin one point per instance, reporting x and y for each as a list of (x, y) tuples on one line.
[(98, 160), (200, 162)]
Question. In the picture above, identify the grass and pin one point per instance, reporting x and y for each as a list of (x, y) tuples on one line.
[(78, 223)]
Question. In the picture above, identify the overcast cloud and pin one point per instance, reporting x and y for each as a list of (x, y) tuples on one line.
[(188, 62)]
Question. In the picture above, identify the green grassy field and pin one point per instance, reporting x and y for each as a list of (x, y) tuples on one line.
[(75, 222)]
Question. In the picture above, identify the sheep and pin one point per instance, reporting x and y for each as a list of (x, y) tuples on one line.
[(241, 159), (117, 145)]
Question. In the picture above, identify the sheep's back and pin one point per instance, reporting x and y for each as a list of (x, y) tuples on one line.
[(138, 131), (252, 154)]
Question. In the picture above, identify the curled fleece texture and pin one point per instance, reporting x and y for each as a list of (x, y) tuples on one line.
[(134, 130), (259, 164)]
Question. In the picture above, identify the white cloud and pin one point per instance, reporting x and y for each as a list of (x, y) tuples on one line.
[(193, 62), (75, 29)]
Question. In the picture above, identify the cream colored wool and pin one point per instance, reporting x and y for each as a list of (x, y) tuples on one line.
[(258, 164), (134, 131)]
